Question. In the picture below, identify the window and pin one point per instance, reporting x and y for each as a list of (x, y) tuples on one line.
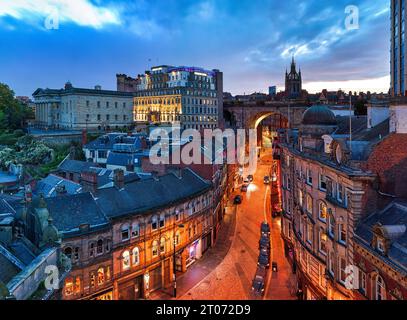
[(342, 233), (155, 248), (76, 254), (78, 285), (380, 288), (323, 211), (162, 245), (68, 286), (342, 274), (331, 263), (309, 233), (331, 226), (362, 282), (177, 239), (87, 103), (101, 276), (98, 104), (99, 247), (177, 215), (154, 223), (92, 280), (68, 252), (322, 242), (300, 198), (136, 256), (162, 220), (380, 245), (309, 177), (91, 250), (125, 232), (339, 193), (135, 230), (126, 260), (107, 245), (322, 182), (309, 204)]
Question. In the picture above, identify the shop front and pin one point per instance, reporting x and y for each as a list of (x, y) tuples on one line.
[(193, 253), (131, 289)]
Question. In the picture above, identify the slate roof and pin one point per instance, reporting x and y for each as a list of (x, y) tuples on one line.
[(47, 186), (7, 269), (76, 166), (72, 90), (148, 194), (122, 159), (107, 141), (70, 211), (393, 215)]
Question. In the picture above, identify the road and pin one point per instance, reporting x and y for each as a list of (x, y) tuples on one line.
[(232, 278)]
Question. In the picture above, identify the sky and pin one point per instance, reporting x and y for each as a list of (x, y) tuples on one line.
[(45, 43)]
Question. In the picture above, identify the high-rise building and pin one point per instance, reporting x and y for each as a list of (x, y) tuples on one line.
[(397, 60), (189, 97)]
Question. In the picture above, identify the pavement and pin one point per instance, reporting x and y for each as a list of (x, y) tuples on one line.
[(230, 277)]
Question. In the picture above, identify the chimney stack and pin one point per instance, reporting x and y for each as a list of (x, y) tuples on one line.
[(118, 178), (89, 181)]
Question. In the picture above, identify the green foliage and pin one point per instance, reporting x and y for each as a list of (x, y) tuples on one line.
[(13, 114), (26, 151)]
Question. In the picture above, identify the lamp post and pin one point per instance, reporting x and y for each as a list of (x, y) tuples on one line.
[(174, 266)]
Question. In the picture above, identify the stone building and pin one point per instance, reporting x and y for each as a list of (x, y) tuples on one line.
[(331, 181), (188, 97), (293, 82), (76, 108)]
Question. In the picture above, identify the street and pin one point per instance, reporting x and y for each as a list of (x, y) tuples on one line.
[(232, 278)]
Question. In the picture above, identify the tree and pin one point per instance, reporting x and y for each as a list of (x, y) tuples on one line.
[(12, 112)]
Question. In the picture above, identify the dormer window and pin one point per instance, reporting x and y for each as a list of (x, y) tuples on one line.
[(380, 245)]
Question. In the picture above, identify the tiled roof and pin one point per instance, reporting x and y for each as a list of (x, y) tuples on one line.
[(147, 194), (47, 186), (393, 215), (76, 166), (70, 211)]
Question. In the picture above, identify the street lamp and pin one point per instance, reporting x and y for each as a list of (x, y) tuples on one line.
[(174, 259)]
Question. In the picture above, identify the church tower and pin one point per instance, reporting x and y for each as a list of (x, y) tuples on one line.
[(293, 82)]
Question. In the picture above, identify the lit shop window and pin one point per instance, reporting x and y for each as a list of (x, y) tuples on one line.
[(101, 276)]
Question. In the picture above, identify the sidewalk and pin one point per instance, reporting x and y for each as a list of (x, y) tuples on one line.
[(209, 261)]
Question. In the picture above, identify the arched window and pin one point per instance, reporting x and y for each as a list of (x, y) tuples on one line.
[(99, 247), (126, 260), (155, 248), (177, 238), (380, 288), (323, 211), (162, 245), (91, 249), (101, 276), (136, 256)]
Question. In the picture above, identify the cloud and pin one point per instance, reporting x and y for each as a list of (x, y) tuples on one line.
[(80, 12)]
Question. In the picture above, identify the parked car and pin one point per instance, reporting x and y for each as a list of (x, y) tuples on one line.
[(259, 281), (244, 188), (266, 180), (237, 200), (250, 178), (265, 229), (264, 243), (264, 258)]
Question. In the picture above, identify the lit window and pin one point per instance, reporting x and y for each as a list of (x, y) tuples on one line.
[(323, 211), (78, 285), (162, 245), (68, 286), (101, 276), (155, 248), (177, 238), (322, 241), (126, 260)]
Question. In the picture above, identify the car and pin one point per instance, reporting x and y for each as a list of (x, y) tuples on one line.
[(264, 259), (265, 229), (264, 243), (250, 178), (266, 180), (237, 200), (258, 283), (244, 188)]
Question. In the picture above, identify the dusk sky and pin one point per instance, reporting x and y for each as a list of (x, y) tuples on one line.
[(251, 41)]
